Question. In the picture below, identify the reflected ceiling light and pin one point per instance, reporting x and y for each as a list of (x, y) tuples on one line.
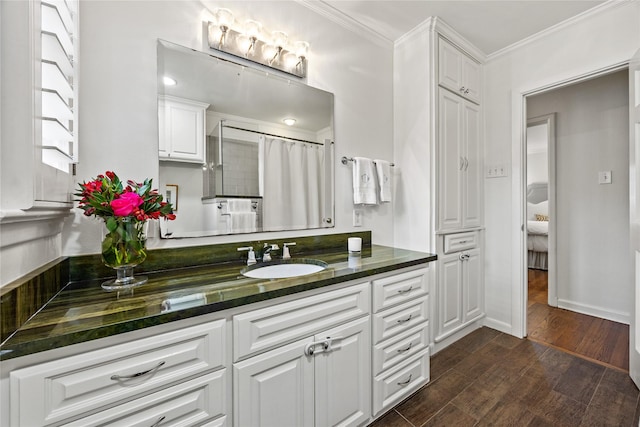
[(168, 81), (289, 121), (249, 42)]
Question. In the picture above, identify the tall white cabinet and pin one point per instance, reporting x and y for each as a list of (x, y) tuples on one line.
[(439, 147)]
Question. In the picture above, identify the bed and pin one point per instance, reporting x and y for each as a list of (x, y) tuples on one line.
[(538, 226)]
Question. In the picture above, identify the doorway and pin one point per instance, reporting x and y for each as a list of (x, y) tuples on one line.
[(586, 214)]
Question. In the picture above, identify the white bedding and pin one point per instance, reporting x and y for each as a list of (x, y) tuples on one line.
[(538, 239), (538, 227)]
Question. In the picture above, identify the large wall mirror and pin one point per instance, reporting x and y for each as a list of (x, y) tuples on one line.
[(241, 150)]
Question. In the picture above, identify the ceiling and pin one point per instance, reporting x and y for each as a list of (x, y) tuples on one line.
[(489, 25)]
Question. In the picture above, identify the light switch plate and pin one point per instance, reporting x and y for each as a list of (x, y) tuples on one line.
[(604, 177)]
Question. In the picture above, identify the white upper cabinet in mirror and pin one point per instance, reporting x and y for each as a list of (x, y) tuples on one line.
[(229, 162)]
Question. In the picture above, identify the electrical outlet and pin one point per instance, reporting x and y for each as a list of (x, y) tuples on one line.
[(357, 218), (496, 171)]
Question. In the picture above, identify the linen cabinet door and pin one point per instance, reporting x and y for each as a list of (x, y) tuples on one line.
[(473, 291), (343, 376), (451, 160), (472, 170), (449, 294), (275, 388)]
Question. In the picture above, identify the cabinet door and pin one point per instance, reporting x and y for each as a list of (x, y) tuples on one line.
[(471, 79), (182, 130), (449, 294), (343, 376), (472, 292), (472, 169), (450, 160), (275, 388), (458, 72)]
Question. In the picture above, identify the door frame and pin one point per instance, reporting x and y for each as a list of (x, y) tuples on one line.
[(550, 121), (519, 183)]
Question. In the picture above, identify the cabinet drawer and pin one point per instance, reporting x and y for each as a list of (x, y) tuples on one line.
[(399, 288), (56, 390), (460, 241), (394, 351), (398, 319), (262, 329), (389, 389), (202, 400)]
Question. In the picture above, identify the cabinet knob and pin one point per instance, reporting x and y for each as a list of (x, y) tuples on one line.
[(462, 89)]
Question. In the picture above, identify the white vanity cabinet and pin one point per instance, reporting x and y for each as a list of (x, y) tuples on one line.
[(322, 378), (400, 334), (178, 377), (460, 291), (457, 71), (182, 130)]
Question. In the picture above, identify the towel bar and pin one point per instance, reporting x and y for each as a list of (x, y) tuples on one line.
[(346, 159)]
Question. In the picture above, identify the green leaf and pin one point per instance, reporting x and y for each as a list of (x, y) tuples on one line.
[(111, 224)]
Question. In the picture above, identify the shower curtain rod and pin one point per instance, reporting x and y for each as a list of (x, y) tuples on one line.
[(271, 134)]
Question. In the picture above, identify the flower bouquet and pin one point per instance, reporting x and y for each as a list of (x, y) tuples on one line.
[(125, 210)]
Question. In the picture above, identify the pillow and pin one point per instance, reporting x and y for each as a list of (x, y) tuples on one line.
[(540, 217)]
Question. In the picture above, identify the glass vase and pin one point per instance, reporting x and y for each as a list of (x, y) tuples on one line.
[(124, 247)]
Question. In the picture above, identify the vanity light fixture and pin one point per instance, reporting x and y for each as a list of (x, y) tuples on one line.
[(289, 121), (249, 42)]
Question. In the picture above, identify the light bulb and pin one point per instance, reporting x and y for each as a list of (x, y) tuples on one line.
[(289, 121), (225, 19), (290, 60), (302, 49), (252, 28), (279, 38)]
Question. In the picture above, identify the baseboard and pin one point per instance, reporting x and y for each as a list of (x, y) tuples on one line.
[(498, 325), (615, 316)]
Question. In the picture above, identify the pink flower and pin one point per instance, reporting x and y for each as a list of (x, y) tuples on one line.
[(126, 204)]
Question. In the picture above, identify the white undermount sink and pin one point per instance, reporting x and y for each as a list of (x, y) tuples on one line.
[(284, 268)]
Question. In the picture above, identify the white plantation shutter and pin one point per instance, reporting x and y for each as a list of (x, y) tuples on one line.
[(58, 83)]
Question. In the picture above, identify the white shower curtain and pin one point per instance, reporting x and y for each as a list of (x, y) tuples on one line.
[(291, 184)]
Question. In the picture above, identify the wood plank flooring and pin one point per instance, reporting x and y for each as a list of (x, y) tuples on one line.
[(493, 379), (598, 340), (571, 371)]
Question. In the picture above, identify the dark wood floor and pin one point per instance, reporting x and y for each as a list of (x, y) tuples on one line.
[(492, 379), (571, 371), (599, 340)]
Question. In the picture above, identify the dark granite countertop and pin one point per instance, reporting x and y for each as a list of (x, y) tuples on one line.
[(82, 311)]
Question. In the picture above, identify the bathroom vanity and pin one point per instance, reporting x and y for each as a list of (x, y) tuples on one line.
[(205, 345)]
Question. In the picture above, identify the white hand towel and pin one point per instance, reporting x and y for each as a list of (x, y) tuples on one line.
[(239, 205), (364, 183), (242, 222), (383, 168)]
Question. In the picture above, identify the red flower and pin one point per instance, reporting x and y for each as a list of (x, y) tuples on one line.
[(110, 175), (126, 204), (92, 186)]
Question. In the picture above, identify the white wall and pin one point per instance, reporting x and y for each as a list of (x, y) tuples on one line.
[(592, 135), (118, 117), (537, 153), (594, 42)]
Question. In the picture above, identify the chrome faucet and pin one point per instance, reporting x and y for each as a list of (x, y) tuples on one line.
[(266, 251)]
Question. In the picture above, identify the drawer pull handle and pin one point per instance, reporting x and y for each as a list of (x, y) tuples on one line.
[(404, 350), (405, 320), (138, 374), (462, 242), (407, 381), (404, 291), (157, 423)]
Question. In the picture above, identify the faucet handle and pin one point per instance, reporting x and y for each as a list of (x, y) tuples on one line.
[(285, 250), (251, 256)]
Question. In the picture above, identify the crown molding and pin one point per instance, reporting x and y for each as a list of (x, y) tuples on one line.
[(453, 36), (425, 26), (609, 4), (333, 14)]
